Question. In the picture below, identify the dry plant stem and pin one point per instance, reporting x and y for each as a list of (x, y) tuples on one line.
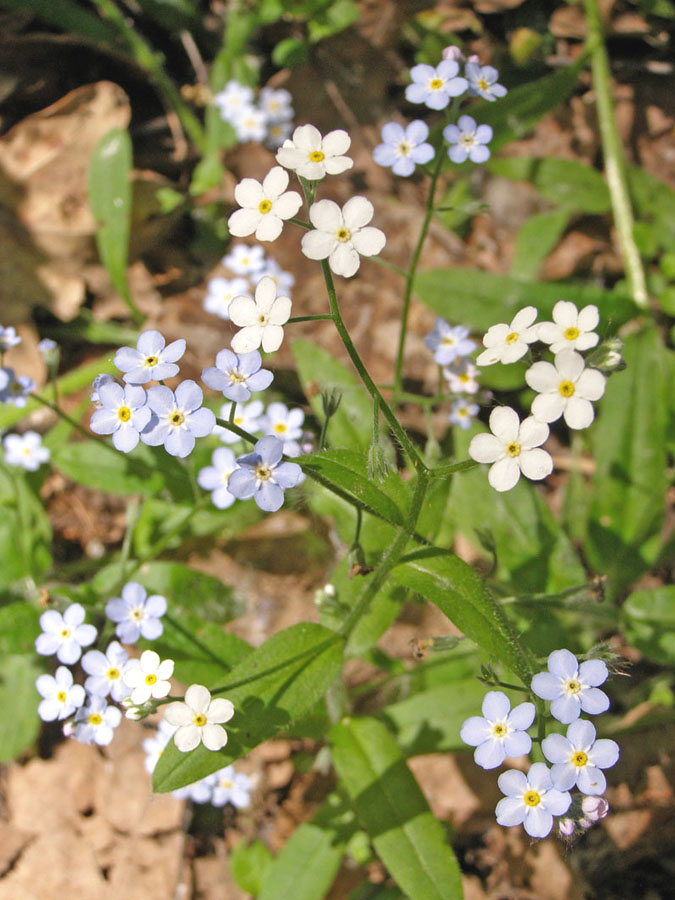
[(613, 154), (151, 61)]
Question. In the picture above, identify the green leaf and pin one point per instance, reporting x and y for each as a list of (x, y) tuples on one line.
[(535, 240), (19, 722), (306, 867), (461, 595), (291, 52), (654, 203), (649, 623), (67, 16), (408, 839), (110, 202), (274, 685), (569, 184), (25, 531), (19, 626), (352, 424), (481, 299), (249, 864), (627, 495)]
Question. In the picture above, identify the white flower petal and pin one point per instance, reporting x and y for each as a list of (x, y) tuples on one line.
[(504, 474)]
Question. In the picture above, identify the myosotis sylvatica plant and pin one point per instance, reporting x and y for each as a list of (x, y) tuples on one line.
[(232, 442)]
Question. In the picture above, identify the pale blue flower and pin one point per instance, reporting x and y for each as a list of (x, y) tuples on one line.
[(95, 723), (403, 148), (135, 614), (151, 360), (215, 477), (8, 338), (579, 757), (16, 388), (435, 86), (97, 383), (531, 800), (263, 476), (105, 671), (246, 416), (462, 413), (500, 732), (285, 424), (468, 140), (230, 786), (277, 104), (61, 696), (572, 687), (236, 375), (177, 419), (25, 450), (64, 635), (448, 343), (483, 81), (123, 414)]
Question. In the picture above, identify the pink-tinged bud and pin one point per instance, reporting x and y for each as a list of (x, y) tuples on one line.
[(474, 58), (594, 808), (567, 827), (453, 52)]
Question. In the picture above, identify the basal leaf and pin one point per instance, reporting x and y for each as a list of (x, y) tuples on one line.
[(306, 867), (536, 238), (648, 619), (19, 722)]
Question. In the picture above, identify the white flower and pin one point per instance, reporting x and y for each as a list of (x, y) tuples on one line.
[(500, 732), (570, 328), (277, 133), (462, 412), (198, 792), (578, 758), (341, 235), (105, 671), (461, 375), (245, 259), (531, 800), (233, 98), (277, 104), (260, 320), (246, 416), (312, 157), (96, 722), (565, 388), (250, 124), (65, 634), (232, 787), (151, 360), (435, 86), (215, 477), (148, 677), (199, 719), (511, 447), (283, 280), (264, 207), (508, 343), (221, 292), (61, 696), (25, 450), (286, 424), (571, 687), (8, 338)]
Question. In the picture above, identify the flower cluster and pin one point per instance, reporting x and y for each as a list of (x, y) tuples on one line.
[(451, 347), (21, 450), (246, 265), (534, 798), (268, 119), (565, 388)]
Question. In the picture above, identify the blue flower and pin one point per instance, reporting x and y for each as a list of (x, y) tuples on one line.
[(572, 687), (483, 82), (237, 375), (177, 419), (151, 360), (579, 757), (531, 800), (435, 86), (501, 732), (263, 476), (123, 413), (403, 148), (15, 389), (462, 412), (135, 614), (448, 343), (8, 338), (215, 477), (468, 140)]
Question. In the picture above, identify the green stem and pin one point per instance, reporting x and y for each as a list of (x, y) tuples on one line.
[(400, 434), (309, 318), (235, 429), (152, 62), (412, 270), (89, 435), (614, 158)]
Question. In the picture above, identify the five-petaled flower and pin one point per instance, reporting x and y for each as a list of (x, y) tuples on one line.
[(261, 320), (264, 207), (483, 81), (60, 696), (404, 148), (65, 635), (570, 328), (25, 450), (435, 86), (148, 677), (136, 614), (531, 800), (215, 477), (462, 413), (313, 157), (123, 413), (468, 140), (221, 292), (572, 687), (151, 360), (199, 719), (286, 424), (500, 732), (96, 722), (340, 235), (105, 671), (579, 758), (565, 388), (508, 343), (263, 476), (462, 376), (237, 375), (449, 343), (177, 419), (230, 786), (513, 447)]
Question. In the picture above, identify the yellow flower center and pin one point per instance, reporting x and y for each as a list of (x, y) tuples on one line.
[(124, 413), (579, 758), (263, 472), (95, 719), (512, 338), (176, 418), (482, 84), (343, 235), (436, 84), (404, 148), (572, 686), (113, 674), (263, 318), (237, 377), (513, 449), (499, 730), (137, 614), (566, 388), (571, 333), (280, 428), (265, 206), (65, 633), (151, 361), (61, 696), (464, 378), (199, 720), (316, 156), (449, 341), (150, 678), (226, 783), (532, 798)]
